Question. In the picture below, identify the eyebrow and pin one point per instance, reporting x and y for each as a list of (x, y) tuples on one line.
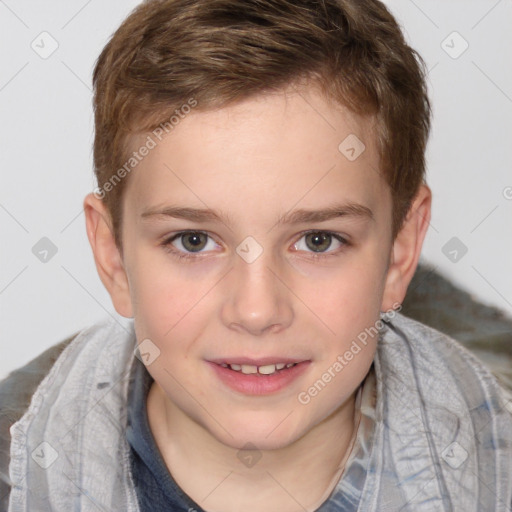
[(353, 210)]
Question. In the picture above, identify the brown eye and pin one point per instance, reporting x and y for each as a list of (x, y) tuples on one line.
[(318, 242), (321, 244), (189, 245), (193, 241)]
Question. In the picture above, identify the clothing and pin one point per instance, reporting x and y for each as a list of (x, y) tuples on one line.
[(442, 436)]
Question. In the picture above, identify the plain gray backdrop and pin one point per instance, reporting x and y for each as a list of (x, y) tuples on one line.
[(48, 50)]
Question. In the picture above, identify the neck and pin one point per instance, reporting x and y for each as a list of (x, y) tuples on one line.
[(298, 476)]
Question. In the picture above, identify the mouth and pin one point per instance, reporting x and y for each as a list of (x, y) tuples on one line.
[(258, 377), (267, 369)]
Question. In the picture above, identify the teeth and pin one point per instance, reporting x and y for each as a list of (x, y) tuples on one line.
[(267, 369), (249, 369)]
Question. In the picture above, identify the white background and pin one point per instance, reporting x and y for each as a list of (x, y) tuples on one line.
[(46, 164)]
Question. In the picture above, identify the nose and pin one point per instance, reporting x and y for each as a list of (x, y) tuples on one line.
[(257, 297)]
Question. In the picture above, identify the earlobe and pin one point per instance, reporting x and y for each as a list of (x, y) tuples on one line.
[(107, 257), (406, 249)]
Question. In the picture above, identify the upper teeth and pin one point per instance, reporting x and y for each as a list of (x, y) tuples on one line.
[(267, 369)]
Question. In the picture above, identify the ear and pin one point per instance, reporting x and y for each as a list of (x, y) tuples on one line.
[(107, 257), (406, 249)]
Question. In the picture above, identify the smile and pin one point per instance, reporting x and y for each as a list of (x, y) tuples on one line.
[(249, 369), (258, 379)]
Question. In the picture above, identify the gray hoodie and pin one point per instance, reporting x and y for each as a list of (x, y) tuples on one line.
[(442, 439)]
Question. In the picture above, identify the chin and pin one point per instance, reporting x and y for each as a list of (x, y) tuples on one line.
[(270, 434)]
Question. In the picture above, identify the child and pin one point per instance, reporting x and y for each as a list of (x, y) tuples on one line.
[(270, 368)]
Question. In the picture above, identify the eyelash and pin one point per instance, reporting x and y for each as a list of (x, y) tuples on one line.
[(180, 255)]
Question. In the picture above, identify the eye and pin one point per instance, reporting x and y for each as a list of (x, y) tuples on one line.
[(319, 242), (185, 243), (189, 244)]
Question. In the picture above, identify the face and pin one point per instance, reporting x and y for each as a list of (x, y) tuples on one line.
[(251, 237)]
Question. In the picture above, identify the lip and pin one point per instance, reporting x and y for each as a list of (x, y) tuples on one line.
[(256, 384)]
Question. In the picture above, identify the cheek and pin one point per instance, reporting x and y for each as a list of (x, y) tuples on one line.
[(346, 298), (352, 314), (161, 300)]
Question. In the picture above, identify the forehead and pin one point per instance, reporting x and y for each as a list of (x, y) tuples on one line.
[(273, 151)]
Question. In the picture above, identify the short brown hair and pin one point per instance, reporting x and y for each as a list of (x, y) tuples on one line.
[(219, 52)]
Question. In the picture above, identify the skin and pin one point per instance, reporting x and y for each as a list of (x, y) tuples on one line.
[(254, 162)]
